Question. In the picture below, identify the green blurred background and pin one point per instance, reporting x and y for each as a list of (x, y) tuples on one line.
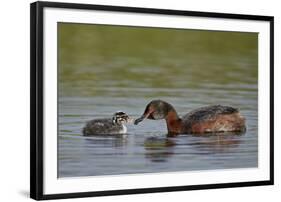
[(95, 59)]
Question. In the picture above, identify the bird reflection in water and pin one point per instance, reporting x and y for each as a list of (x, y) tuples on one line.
[(161, 149), (107, 141), (216, 142)]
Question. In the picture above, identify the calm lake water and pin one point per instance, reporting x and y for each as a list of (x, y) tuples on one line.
[(103, 69)]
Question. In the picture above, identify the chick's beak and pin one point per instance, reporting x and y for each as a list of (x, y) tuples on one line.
[(130, 120)]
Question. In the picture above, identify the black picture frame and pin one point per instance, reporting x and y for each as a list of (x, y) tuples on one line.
[(37, 100)]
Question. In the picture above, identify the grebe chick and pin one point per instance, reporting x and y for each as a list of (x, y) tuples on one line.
[(210, 119), (108, 126)]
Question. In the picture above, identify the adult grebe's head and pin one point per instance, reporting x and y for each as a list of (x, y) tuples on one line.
[(121, 118), (155, 110)]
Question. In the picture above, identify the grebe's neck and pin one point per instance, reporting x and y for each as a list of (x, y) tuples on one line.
[(173, 122)]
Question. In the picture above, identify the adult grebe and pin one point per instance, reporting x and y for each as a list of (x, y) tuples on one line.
[(109, 126), (210, 119)]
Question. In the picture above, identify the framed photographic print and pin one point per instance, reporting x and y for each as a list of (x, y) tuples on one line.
[(136, 100)]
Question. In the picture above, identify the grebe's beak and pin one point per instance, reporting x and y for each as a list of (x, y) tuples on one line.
[(146, 114), (139, 119)]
